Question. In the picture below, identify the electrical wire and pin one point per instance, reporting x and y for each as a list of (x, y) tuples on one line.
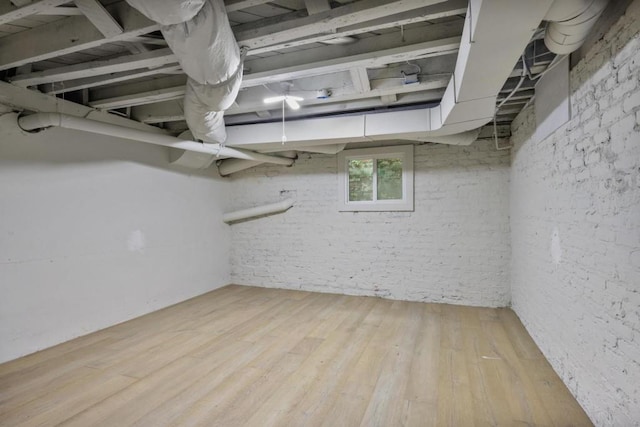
[(525, 71)]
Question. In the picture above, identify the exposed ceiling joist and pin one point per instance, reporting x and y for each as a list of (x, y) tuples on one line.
[(360, 79), (89, 82), (366, 60), (98, 15), (139, 98), (9, 12), (61, 11), (69, 35), (317, 6), (437, 11), (20, 3), (153, 58), (350, 14), (235, 5), (388, 99)]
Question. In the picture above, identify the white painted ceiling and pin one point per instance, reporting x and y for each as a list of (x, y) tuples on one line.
[(106, 55)]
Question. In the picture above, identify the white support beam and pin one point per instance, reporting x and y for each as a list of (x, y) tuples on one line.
[(360, 79), (89, 82), (139, 98), (366, 60), (437, 11), (235, 5), (317, 6), (69, 35), (368, 52), (388, 99), (153, 58), (350, 14), (61, 11), (10, 13), (22, 99), (98, 15)]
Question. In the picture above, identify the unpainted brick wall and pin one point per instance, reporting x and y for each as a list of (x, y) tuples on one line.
[(454, 248), (575, 225)]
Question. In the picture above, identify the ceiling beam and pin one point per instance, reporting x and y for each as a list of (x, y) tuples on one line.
[(153, 58), (61, 11), (99, 17), (317, 6), (365, 60), (388, 99), (69, 35), (323, 60), (89, 82), (252, 36), (360, 79), (9, 13), (139, 98), (235, 5), (22, 99), (437, 11)]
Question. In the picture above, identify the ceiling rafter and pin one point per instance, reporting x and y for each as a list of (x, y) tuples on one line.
[(89, 82), (317, 6), (437, 11), (69, 35), (9, 12), (353, 13), (360, 79), (259, 71), (296, 70), (153, 58), (95, 12)]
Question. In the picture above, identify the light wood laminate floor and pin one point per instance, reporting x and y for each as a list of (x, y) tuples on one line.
[(265, 357)]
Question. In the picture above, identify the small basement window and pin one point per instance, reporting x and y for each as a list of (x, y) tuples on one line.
[(376, 179)]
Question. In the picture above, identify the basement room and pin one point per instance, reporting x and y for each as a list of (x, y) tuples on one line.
[(320, 213)]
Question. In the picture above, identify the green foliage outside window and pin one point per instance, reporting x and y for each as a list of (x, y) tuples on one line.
[(388, 175), (389, 179), (360, 180)]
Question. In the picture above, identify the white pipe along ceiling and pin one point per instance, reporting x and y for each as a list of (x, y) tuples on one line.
[(39, 121)]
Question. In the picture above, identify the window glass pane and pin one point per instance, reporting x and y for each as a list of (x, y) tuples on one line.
[(360, 180), (389, 179)]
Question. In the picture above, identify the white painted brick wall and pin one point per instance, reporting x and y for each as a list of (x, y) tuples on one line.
[(578, 294), (454, 248)]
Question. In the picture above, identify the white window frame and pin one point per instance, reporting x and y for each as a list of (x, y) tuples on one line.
[(404, 152)]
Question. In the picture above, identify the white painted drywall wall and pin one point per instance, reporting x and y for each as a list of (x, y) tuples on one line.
[(575, 225), (454, 248), (95, 231)]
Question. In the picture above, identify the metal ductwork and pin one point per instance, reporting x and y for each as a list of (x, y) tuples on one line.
[(570, 21), (485, 61), (199, 34)]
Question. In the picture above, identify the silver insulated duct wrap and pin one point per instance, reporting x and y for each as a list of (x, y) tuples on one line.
[(199, 34)]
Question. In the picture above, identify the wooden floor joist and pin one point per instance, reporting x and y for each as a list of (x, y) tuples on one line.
[(266, 357)]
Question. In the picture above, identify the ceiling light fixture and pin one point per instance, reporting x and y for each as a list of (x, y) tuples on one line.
[(292, 102)]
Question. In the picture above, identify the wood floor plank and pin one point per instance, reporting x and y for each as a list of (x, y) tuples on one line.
[(268, 357)]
